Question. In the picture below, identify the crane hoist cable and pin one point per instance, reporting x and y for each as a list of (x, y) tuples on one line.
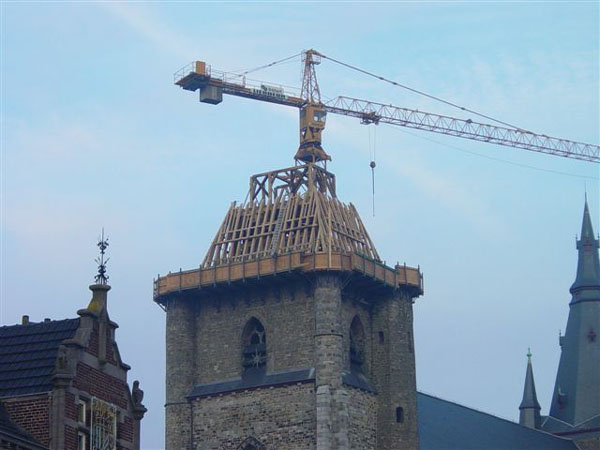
[(246, 72), (416, 91)]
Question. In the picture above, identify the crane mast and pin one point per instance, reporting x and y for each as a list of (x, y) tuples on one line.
[(312, 113), (213, 84)]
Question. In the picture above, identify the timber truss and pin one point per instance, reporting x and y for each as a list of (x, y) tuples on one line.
[(287, 211)]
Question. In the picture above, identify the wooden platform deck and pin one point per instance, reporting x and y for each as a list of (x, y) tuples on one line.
[(397, 277)]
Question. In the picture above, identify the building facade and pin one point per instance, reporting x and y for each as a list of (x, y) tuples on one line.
[(293, 334), (63, 381)]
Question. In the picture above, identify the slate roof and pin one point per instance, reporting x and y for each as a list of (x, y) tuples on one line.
[(257, 379), (28, 354), (444, 425), (590, 427), (253, 380)]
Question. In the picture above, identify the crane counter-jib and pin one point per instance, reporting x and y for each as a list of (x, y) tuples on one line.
[(212, 84)]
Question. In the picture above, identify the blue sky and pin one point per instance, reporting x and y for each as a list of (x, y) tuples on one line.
[(95, 134)]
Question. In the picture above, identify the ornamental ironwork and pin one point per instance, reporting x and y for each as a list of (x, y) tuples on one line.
[(103, 435)]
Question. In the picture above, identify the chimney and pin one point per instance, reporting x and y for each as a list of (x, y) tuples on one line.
[(25, 320), (46, 320)]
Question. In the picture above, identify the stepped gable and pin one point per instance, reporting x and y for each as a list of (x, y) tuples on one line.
[(28, 355)]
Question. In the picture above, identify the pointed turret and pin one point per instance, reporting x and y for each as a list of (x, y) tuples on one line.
[(530, 408), (576, 395)]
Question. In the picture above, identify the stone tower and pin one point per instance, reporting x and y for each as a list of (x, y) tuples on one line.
[(292, 334), (576, 395)]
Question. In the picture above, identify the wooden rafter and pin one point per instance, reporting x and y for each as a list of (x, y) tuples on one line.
[(289, 210)]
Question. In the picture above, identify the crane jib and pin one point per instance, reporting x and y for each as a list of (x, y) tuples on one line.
[(370, 112)]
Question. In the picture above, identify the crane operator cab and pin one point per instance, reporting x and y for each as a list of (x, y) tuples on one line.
[(312, 124)]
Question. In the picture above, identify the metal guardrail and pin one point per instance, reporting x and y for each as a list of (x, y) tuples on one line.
[(227, 273), (184, 71)]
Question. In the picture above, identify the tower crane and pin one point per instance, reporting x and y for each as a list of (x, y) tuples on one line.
[(212, 84)]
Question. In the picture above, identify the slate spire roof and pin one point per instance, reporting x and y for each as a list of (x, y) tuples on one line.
[(588, 267), (576, 397), (530, 408), (529, 395)]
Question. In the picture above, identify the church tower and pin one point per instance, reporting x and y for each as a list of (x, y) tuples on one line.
[(293, 333), (576, 397)]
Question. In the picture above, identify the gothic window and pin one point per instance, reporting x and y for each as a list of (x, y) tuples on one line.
[(251, 443), (357, 345), (254, 346)]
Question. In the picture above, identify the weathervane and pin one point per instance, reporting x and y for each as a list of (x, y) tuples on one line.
[(102, 278)]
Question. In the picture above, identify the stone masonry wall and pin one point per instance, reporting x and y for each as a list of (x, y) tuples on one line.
[(307, 324), (394, 372), (286, 314), (204, 342), (180, 368), (332, 397), (362, 423), (353, 306), (280, 417)]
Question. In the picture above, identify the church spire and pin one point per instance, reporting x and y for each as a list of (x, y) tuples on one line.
[(530, 408), (576, 395), (588, 268)]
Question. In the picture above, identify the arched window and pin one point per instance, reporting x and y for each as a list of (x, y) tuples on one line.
[(251, 443), (399, 414), (357, 345), (254, 346)]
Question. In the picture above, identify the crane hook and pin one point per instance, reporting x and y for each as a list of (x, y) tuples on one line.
[(372, 165)]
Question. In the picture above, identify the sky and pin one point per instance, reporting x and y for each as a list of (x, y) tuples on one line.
[(94, 134)]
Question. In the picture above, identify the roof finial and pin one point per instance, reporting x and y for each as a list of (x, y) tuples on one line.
[(102, 277), (529, 354)]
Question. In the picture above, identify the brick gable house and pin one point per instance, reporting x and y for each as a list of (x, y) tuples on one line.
[(64, 383)]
